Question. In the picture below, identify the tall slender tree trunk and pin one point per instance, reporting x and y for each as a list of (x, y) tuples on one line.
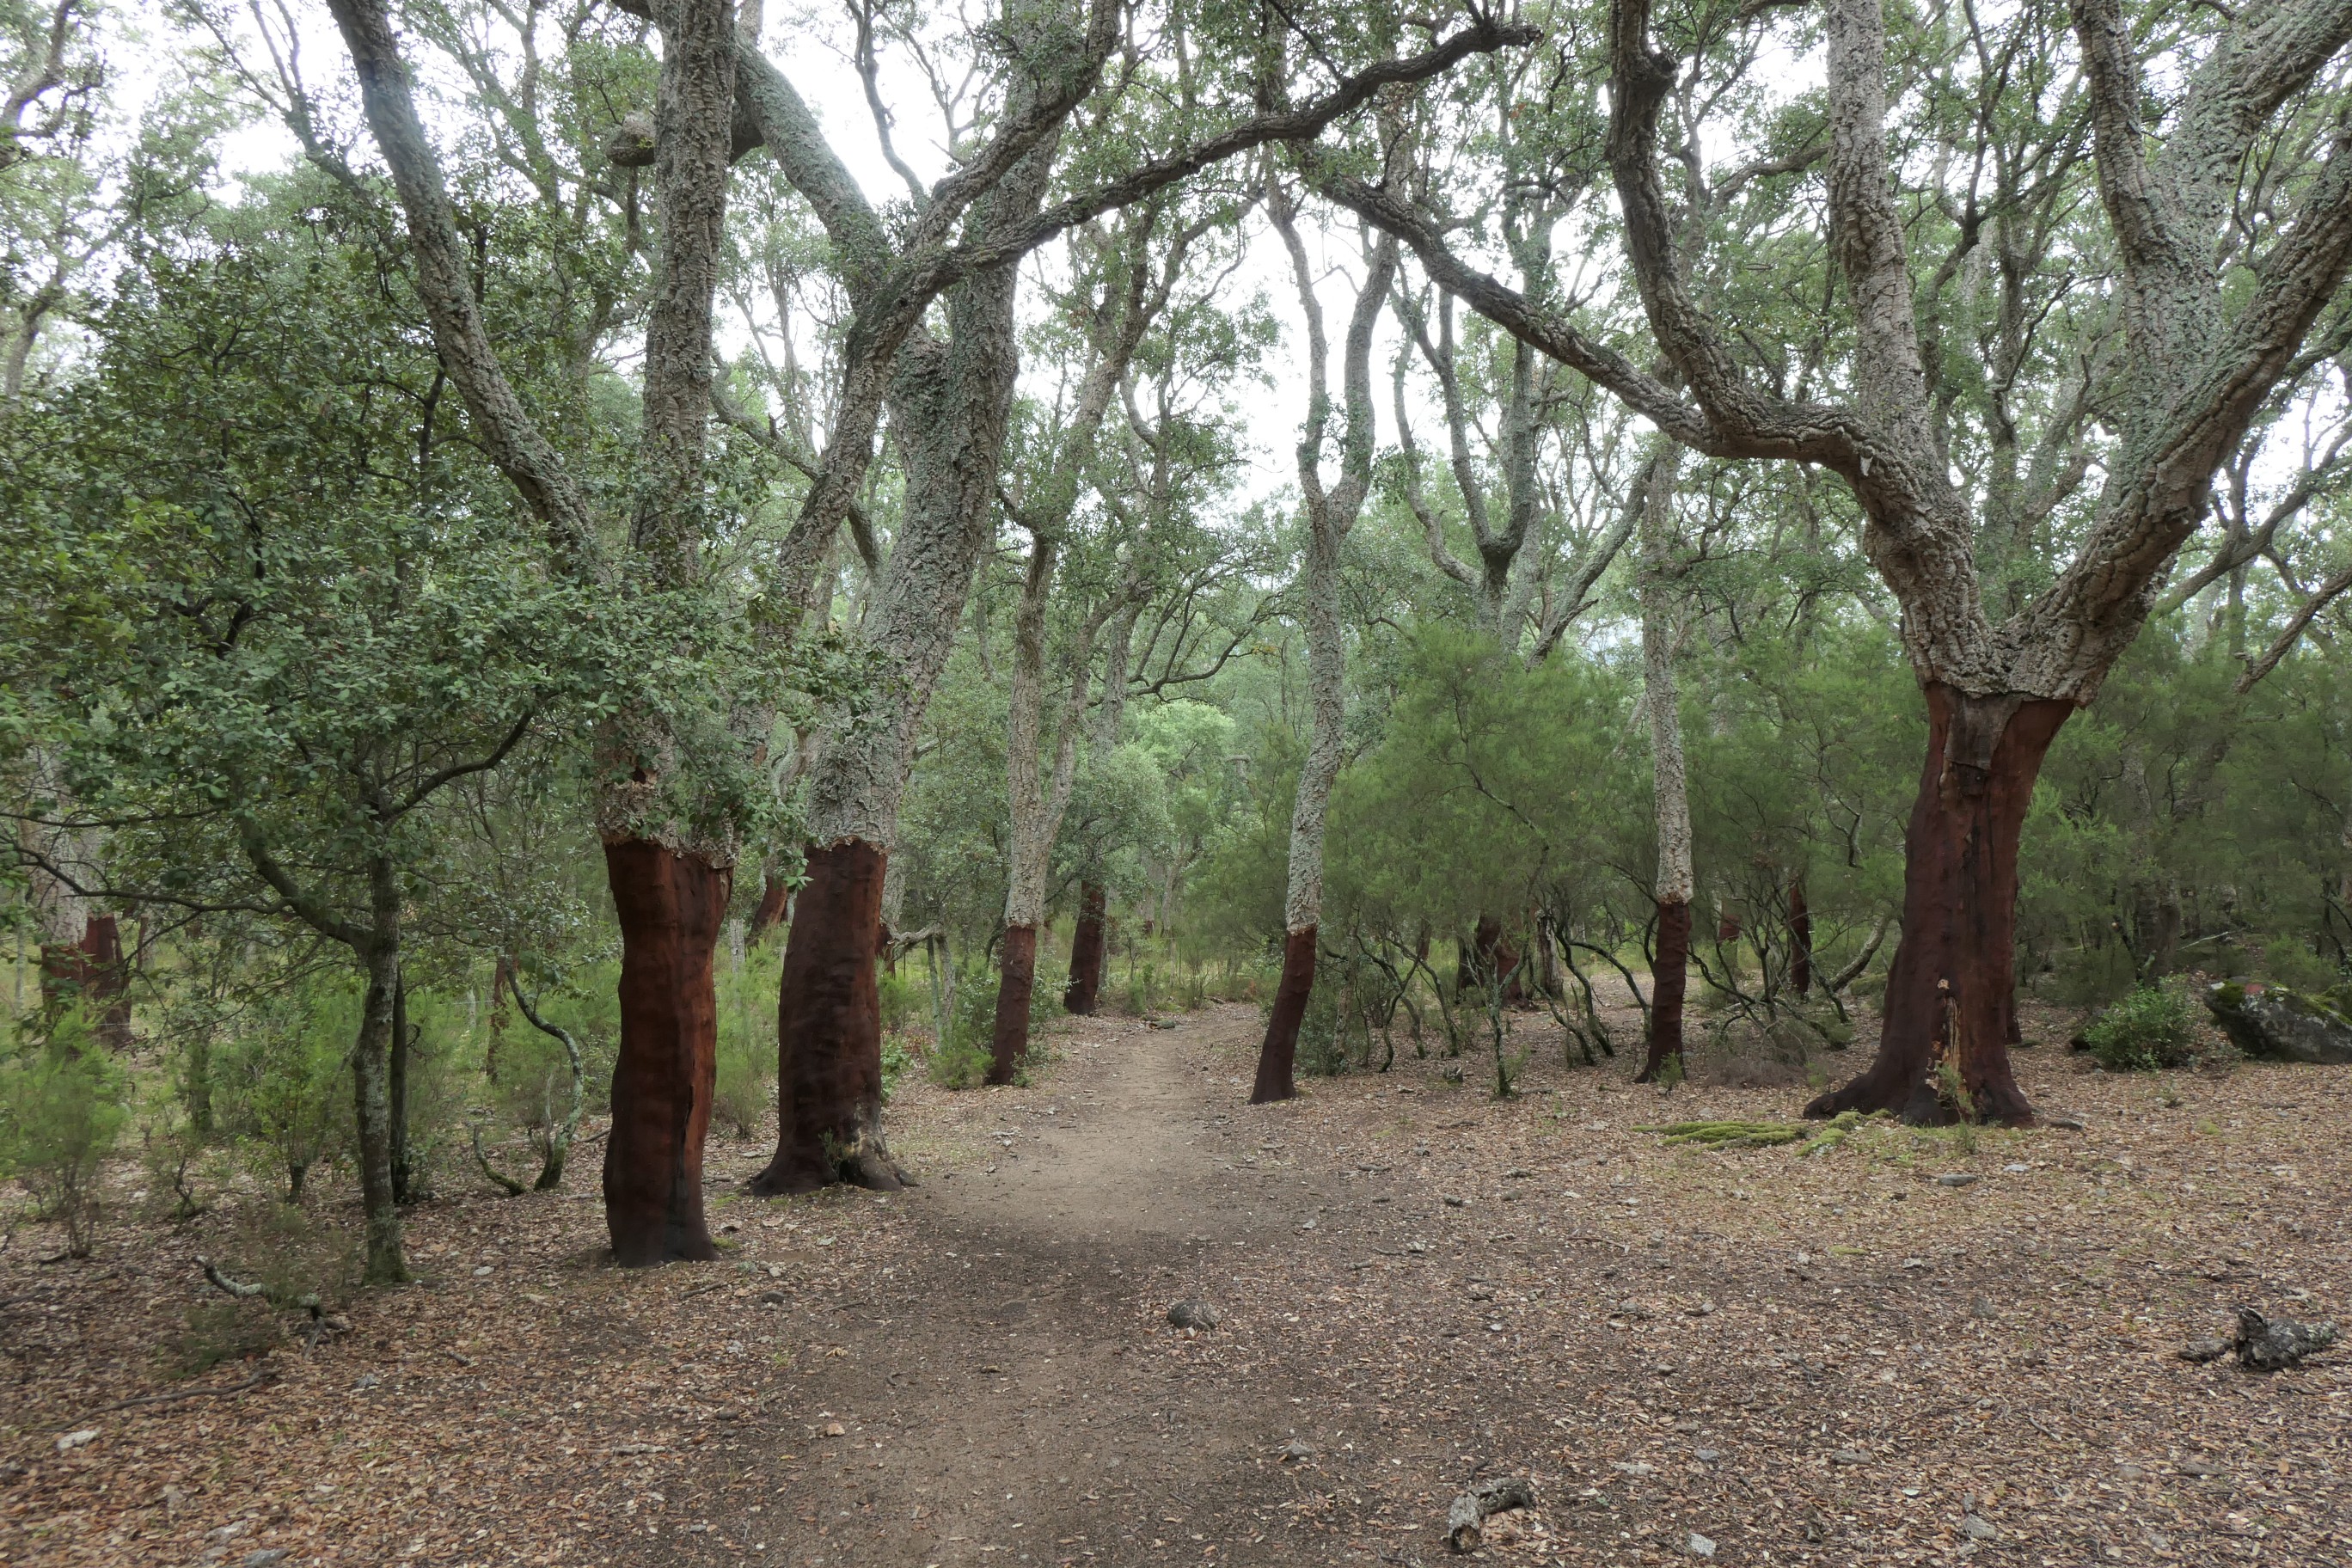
[(829, 1027), (1026, 799), (1670, 971), (1951, 992), (370, 1081), (1330, 513), (403, 1188), (1800, 939), (1303, 903)]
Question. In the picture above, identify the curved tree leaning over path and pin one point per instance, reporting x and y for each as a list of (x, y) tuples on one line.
[(2210, 332)]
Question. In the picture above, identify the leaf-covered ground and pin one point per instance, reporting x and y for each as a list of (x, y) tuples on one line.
[(1770, 1359)]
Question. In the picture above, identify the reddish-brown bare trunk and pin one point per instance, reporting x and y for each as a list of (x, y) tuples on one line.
[(774, 895), (829, 1030), (1800, 940), (1278, 1058), (1016, 977), (93, 973), (1669, 978), (1088, 946), (669, 906), (1950, 1001), (1490, 953)]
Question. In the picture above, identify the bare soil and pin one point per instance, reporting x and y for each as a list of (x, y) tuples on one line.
[(1834, 1359)]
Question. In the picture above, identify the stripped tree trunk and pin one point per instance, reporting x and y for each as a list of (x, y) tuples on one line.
[(1669, 971), (775, 897), (1330, 513), (951, 401), (1088, 944)]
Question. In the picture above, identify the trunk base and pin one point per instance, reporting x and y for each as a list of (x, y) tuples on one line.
[(829, 1032), (669, 906), (1669, 980), (1951, 1010), (1277, 1057), (1087, 950), (1016, 980)]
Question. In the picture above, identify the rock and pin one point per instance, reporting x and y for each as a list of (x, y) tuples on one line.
[(1195, 1315), (1849, 1457), (2267, 1345), (1959, 1179), (72, 1440), (1295, 1450), (630, 143), (2066, 1119), (2017, 1167), (1977, 1529), (266, 1556), (1982, 1307), (1700, 1546), (1465, 1519), (772, 1298), (2203, 1348), (2280, 1024), (1455, 1202), (1707, 1456), (366, 1381)]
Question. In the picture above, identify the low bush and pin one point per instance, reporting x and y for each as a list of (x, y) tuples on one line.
[(61, 1114), (2152, 1028)]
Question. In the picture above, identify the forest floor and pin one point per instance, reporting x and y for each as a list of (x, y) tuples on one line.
[(1735, 1355)]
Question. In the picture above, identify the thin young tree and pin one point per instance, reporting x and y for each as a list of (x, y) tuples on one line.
[(1329, 512)]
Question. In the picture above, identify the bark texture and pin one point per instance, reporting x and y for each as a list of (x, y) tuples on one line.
[(1277, 1059), (1016, 980), (1669, 982), (829, 1031), (1089, 944), (1951, 991), (671, 906)]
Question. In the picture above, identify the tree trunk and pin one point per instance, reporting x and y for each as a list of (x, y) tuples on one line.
[(1800, 939), (371, 1083), (669, 905), (1943, 1049), (1669, 973), (1278, 1058), (1088, 943), (1669, 979), (1017, 977), (1486, 957), (775, 894), (90, 969), (829, 1031), (396, 1091)]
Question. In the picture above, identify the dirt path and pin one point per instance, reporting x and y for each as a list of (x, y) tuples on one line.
[(1023, 1399)]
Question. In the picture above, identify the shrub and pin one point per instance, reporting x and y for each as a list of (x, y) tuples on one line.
[(283, 1082), (2152, 1028), (62, 1112), (962, 1059)]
